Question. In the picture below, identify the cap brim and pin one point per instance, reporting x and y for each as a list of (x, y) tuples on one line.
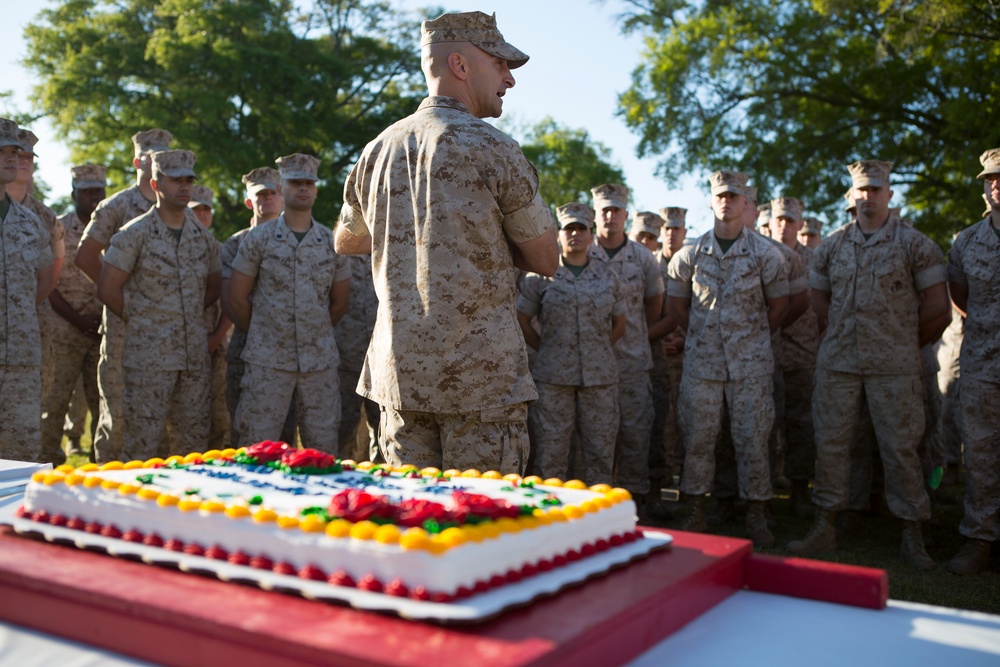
[(673, 224), (298, 176), (735, 189), (254, 188), (601, 203), (514, 56), (194, 203), (864, 182), (175, 173), (575, 221), (988, 171), (11, 142), (86, 185)]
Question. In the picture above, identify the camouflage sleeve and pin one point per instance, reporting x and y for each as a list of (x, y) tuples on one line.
[(528, 222), (352, 218), (101, 225), (44, 259), (123, 251), (680, 271), (819, 274), (528, 301), (620, 308), (956, 261), (798, 279), (651, 270), (342, 268), (214, 263), (227, 254), (250, 254), (928, 263), (774, 274)]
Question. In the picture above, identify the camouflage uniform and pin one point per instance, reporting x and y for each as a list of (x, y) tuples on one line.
[(110, 216), (57, 236), (639, 274), (574, 372), (220, 426), (674, 364), (447, 355), (165, 361), (973, 261), (870, 353), (75, 355), (353, 333), (24, 250), (729, 362), (290, 347)]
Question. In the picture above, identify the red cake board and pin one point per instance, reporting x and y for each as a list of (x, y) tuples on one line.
[(173, 618)]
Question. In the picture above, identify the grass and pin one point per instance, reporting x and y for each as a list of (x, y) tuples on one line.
[(878, 546)]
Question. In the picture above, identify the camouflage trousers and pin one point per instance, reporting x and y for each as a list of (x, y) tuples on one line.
[(490, 439), (800, 442), (593, 412), (20, 406), (73, 358), (235, 369), (671, 427), (109, 439), (896, 405), (702, 407), (76, 413), (659, 379), (155, 401), (267, 393), (220, 425), (635, 407), (982, 459), (350, 420)]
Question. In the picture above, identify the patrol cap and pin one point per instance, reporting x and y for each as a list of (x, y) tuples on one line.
[(851, 201), (812, 226), (151, 141), (261, 178), (8, 133), (788, 207), (27, 139), (298, 167), (610, 195), (176, 164), (874, 173), (674, 217), (750, 192), (763, 216), (89, 176), (990, 161), (647, 221), (575, 213), (474, 27), (728, 181), (201, 195)]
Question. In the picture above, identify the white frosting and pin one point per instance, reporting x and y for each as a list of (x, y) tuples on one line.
[(463, 565)]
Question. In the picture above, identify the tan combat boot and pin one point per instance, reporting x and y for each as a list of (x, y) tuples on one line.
[(972, 558), (821, 537), (802, 505), (757, 525), (912, 549), (695, 519)]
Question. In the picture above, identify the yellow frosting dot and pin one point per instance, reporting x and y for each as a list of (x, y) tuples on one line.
[(312, 523), (602, 502), (508, 525), (213, 506), (471, 472), (73, 479), (573, 512), (363, 530), (112, 465), (436, 545), (129, 489), (39, 476), (365, 465), (618, 495), (492, 474), (90, 481), (132, 465), (110, 484), (430, 471), (147, 493), (65, 468), (557, 514), (264, 515), (415, 538), (512, 477), (211, 455), (532, 479), (237, 511), (167, 500), (88, 467), (529, 522), (188, 504), (589, 506), (405, 468), (600, 488), (474, 533), (575, 484), (156, 460), (387, 534), (350, 462), (452, 536), (545, 518), (490, 529), (53, 478), (285, 521), (553, 481), (228, 453), (338, 528), (451, 472), (192, 457), (174, 459)]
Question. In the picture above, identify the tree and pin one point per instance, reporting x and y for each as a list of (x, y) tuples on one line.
[(239, 82), (569, 162), (792, 90)]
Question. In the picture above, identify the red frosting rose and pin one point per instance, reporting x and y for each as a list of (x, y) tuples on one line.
[(307, 458), (483, 506), (356, 505), (413, 512), (267, 451)]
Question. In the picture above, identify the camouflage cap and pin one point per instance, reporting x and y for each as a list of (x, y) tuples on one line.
[(575, 212), (874, 173), (610, 195), (262, 178), (8, 133), (151, 141), (474, 27), (990, 161), (201, 195), (728, 181), (674, 217), (89, 176), (788, 207), (298, 167), (647, 221), (27, 139), (763, 216), (176, 164), (750, 192), (852, 203), (812, 226)]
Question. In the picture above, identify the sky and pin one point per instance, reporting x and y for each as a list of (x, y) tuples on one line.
[(580, 63)]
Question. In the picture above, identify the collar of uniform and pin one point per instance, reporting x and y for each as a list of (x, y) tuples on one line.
[(189, 220), (708, 245), (565, 271), (858, 237), (443, 101), (598, 251), (984, 234), (282, 230)]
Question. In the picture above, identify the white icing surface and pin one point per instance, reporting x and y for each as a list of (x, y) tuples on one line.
[(463, 565)]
